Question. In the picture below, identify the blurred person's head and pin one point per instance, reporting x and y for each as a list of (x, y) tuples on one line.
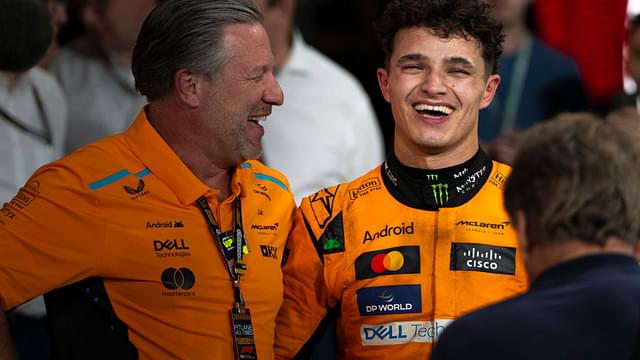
[(278, 19), (25, 34), (440, 70), (59, 17), (575, 181), (114, 24), (209, 64), (633, 50), (509, 13)]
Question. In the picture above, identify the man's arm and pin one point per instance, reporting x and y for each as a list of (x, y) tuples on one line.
[(304, 304), (6, 347)]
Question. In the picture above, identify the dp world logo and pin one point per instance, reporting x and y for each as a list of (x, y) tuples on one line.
[(181, 278)]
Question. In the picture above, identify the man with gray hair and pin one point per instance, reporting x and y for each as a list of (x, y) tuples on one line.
[(165, 241), (574, 199)]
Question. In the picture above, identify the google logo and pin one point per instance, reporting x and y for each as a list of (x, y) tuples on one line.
[(391, 261)]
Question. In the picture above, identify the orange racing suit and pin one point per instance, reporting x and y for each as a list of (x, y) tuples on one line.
[(399, 253)]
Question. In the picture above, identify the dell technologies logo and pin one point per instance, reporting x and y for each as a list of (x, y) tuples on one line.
[(402, 332)]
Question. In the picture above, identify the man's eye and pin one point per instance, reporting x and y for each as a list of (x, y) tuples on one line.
[(411, 67), (459, 71)]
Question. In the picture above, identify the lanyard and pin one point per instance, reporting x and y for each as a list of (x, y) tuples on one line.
[(44, 135), (227, 242)]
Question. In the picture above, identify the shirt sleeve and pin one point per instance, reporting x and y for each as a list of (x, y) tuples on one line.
[(305, 295), (50, 236)]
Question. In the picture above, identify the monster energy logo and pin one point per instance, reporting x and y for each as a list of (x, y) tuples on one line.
[(432, 177), (440, 193)]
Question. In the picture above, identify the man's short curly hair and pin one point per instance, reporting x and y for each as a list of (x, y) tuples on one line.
[(467, 18)]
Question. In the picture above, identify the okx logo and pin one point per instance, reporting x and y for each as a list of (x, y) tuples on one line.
[(440, 193), (398, 260), (181, 278)]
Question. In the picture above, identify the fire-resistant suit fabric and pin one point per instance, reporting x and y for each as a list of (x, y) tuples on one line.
[(123, 210), (398, 275)]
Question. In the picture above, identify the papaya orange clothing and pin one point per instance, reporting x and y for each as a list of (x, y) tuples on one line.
[(397, 274), (123, 211)]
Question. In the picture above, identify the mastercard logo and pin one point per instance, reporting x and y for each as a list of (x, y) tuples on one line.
[(397, 260), (392, 261)]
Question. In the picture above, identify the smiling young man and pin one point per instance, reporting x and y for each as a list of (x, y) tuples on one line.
[(415, 243), (165, 241)]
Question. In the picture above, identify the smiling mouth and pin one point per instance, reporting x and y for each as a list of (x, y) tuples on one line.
[(258, 120), (433, 110)]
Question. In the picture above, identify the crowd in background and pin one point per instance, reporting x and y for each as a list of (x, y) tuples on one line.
[(559, 56)]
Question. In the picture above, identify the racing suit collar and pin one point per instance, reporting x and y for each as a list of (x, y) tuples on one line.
[(433, 189)]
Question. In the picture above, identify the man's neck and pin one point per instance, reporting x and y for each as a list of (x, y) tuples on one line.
[(202, 166), (11, 80), (281, 47), (436, 159), (544, 257), (515, 37)]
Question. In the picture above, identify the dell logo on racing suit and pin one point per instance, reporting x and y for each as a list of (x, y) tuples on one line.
[(402, 332)]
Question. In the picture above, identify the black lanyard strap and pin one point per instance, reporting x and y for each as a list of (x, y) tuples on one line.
[(235, 267), (44, 135)]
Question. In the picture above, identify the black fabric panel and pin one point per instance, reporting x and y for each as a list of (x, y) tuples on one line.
[(83, 324)]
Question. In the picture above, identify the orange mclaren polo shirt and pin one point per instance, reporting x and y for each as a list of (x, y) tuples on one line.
[(123, 211)]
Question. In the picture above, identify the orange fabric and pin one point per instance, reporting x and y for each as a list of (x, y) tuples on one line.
[(382, 234), (123, 209)]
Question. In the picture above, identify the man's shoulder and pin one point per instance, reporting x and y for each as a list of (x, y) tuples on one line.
[(94, 161), (331, 201), (261, 171)]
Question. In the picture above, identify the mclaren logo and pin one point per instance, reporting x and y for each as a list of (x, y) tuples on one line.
[(273, 227), (478, 224)]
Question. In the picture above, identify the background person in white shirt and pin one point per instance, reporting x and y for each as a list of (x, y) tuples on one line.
[(95, 69), (33, 118), (326, 132)]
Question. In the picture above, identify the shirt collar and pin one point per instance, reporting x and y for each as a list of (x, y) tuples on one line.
[(163, 162)]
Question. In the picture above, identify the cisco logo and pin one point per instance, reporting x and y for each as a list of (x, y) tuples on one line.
[(483, 258)]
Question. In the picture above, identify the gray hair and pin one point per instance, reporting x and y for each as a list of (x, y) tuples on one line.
[(185, 34), (576, 177)]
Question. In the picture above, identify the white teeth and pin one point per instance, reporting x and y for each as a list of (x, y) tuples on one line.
[(439, 108), (258, 119)]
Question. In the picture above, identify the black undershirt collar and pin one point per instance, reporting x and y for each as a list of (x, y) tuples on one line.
[(434, 189)]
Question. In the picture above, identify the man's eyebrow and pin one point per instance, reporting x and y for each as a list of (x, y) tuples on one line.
[(411, 58), (460, 61)]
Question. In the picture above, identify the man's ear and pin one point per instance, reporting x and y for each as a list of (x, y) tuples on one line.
[(490, 90), (383, 82), (636, 252), (188, 87), (520, 224)]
